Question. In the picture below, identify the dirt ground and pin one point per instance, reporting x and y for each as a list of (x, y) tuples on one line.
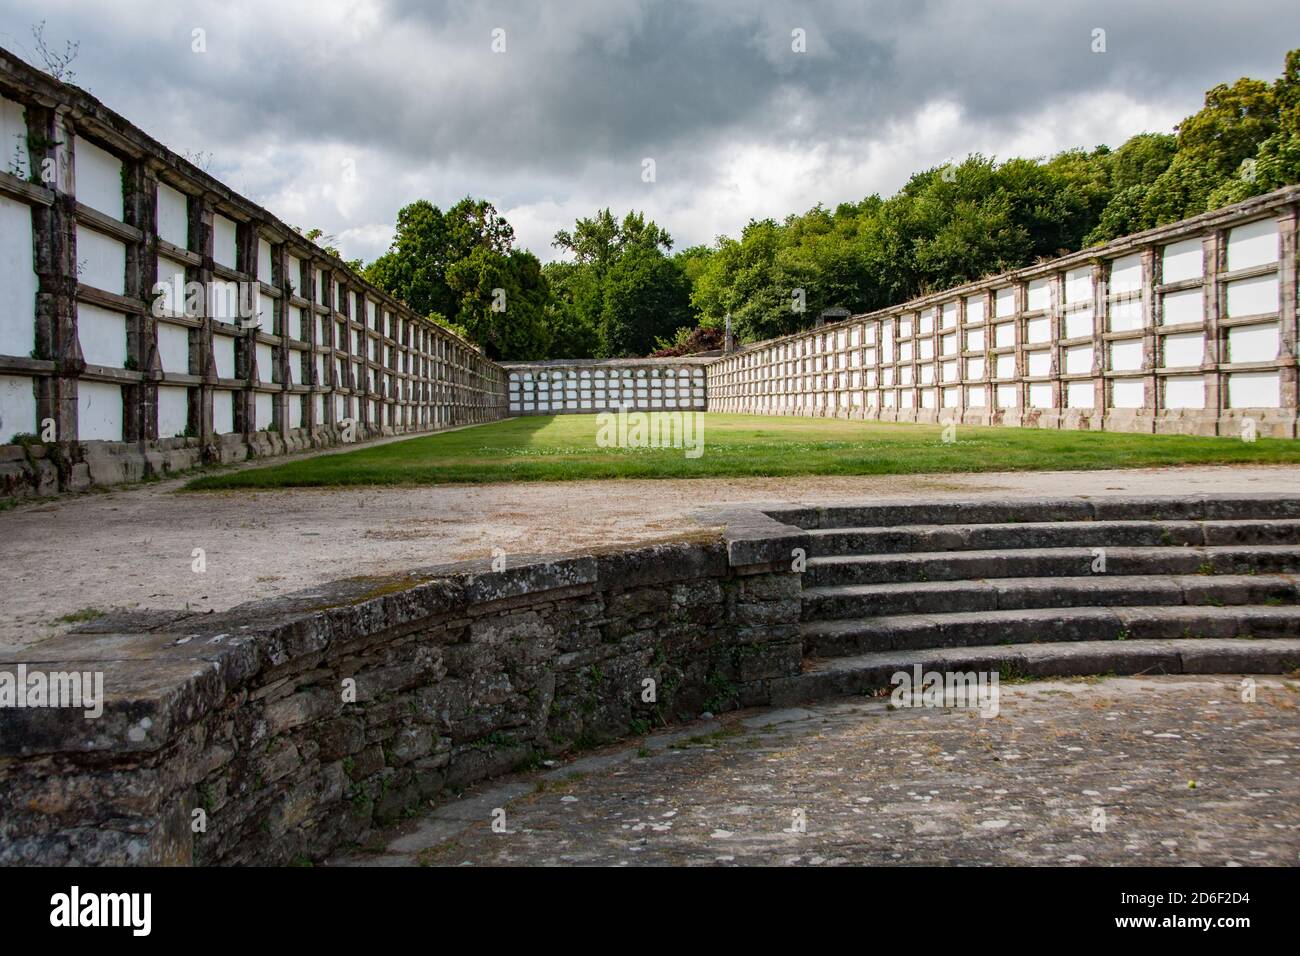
[(136, 547)]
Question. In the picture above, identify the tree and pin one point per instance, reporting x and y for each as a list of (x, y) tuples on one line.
[(621, 292), (1213, 143), (598, 241), (1132, 169), (428, 242), (1277, 161), (460, 267), (573, 311), (693, 261), (645, 297), (503, 300)]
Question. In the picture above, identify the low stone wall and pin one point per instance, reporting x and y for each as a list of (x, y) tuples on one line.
[(283, 729)]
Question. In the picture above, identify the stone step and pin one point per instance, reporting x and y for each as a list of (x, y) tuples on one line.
[(1094, 590), (845, 676), (887, 514), (1044, 625), (1052, 534), (1046, 562)]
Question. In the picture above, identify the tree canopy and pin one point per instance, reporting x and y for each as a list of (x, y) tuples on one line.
[(624, 292), (461, 269)]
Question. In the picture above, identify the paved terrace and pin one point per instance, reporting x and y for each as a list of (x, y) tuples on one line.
[(133, 547), (1175, 771)]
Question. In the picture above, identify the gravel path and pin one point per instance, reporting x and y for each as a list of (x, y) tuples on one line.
[(134, 547)]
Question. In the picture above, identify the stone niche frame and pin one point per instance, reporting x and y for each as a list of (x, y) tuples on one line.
[(818, 374), (405, 373)]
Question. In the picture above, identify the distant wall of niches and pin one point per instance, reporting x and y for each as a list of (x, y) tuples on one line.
[(583, 386), (151, 319), (1187, 328)]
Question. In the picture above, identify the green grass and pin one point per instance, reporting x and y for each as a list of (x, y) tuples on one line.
[(85, 614), (563, 447)]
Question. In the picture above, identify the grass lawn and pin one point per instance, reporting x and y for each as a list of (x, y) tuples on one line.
[(564, 447)]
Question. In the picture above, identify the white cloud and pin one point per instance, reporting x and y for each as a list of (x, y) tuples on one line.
[(740, 126)]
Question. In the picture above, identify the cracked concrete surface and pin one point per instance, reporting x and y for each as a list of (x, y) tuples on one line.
[(1096, 772)]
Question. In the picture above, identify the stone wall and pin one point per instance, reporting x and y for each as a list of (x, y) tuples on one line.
[(109, 362), (1186, 328), (242, 720), (583, 386)]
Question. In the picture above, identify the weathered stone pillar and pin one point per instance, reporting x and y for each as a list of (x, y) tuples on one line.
[(246, 343), (1100, 316), (54, 246), (1152, 394), (140, 203), (202, 359), (323, 321), (1287, 344), (282, 354), (1214, 253), (1056, 323), (992, 415), (1022, 361), (963, 383)]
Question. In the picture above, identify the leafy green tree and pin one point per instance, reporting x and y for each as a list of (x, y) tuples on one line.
[(573, 311), (622, 291), (461, 268), (693, 261), (1132, 169), (503, 300), (600, 240), (646, 297), (1277, 161), (1141, 160), (428, 242), (1213, 143)]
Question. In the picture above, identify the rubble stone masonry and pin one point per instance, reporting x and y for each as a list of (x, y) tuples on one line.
[(283, 729)]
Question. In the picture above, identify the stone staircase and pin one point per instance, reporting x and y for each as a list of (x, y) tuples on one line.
[(1048, 588)]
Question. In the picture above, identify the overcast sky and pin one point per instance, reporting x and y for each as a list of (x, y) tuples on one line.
[(292, 96)]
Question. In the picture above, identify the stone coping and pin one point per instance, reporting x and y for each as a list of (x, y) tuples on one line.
[(763, 535), (750, 530), (164, 669), (534, 364)]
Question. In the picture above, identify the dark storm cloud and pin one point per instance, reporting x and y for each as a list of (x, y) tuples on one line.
[(588, 87), (624, 78)]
